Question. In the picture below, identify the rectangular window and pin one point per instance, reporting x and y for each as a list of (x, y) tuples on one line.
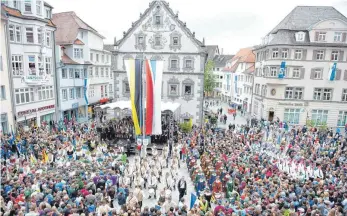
[(39, 36), (342, 119), (298, 55), (41, 67), (71, 74), (12, 33), (140, 40), (96, 72), (2, 93), (292, 116), (91, 56), (319, 117), (64, 94), (102, 58), (45, 92), (106, 72), (16, 4), (48, 65), (24, 95), (294, 93), (322, 36), (174, 63), (38, 7), (17, 65), (48, 39), (48, 13), (338, 37), (273, 72), (97, 57), (105, 90), (274, 53), (110, 88), (285, 53), (189, 63), (77, 73), (296, 73), (29, 34), (78, 92), (157, 20), (300, 36), (102, 90), (63, 73), (111, 75), (188, 90), (323, 94), (85, 73), (127, 88), (72, 93), (27, 6), (320, 55), (318, 73), (344, 95), (90, 71), (175, 41), (78, 53), (102, 72), (32, 65), (173, 89), (334, 55), (157, 41)]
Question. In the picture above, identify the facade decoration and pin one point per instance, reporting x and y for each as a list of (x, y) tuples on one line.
[(188, 89), (173, 88), (175, 41), (174, 63), (140, 41), (157, 41), (188, 63)]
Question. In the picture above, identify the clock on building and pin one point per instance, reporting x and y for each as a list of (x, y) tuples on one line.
[(273, 92)]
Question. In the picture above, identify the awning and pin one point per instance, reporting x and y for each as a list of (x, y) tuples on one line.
[(104, 100), (165, 106)]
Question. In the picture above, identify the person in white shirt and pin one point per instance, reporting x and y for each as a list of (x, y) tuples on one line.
[(152, 185)]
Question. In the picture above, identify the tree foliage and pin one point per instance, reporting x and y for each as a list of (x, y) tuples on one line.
[(209, 78)]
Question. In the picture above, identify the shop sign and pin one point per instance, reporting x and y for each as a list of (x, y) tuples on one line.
[(30, 111), (291, 104), (36, 80), (75, 105)]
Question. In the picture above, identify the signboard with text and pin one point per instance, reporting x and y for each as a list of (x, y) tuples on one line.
[(36, 80)]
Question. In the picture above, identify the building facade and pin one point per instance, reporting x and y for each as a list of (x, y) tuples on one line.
[(83, 68), (239, 71), (7, 118), (160, 35), (31, 45), (293, 68)]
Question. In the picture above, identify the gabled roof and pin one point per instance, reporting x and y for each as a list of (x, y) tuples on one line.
[(109, 47), (303, 17), (174, 16), (78, 42), (221, 60), (68, 25), (16, 13), (244, 55), (67, 60), (250, 69), (211, 51)]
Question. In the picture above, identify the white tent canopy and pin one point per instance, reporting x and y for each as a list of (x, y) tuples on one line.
[(165, 106)]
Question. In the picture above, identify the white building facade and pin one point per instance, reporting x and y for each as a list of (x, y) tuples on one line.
[(160, 35), (7, 118), (307, 52), (31, 44), (83, 68)]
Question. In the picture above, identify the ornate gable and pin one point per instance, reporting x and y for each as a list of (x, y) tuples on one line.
[(159, 29)]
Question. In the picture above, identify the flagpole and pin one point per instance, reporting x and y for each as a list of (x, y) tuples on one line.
[(142, 103)]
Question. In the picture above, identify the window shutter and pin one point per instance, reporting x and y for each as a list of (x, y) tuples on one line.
[(304, 54), (338, 74), (341, 54), (312, 74), (344, 37), (314, 56), (302, 73), (345, 75), (316, 36)]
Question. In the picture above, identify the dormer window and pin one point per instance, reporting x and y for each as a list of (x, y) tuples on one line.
[(38, 7), (157, 20), (300, 36)]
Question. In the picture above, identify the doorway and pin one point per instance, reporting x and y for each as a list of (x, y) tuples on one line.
[(271, 115)]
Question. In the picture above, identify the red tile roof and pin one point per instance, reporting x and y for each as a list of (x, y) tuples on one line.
[(250, 69), (78, 42), (244, 55), (67, 60)]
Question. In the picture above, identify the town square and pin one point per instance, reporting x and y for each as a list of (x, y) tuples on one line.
[(168, 108)]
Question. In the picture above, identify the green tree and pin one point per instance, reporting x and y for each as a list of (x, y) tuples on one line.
[(209, 80)]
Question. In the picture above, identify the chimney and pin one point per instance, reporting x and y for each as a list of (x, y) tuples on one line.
[(221, 51), (114, 41)]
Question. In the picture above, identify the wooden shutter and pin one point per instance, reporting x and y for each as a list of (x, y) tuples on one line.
[(344, 37), (341, 54), (345, 75), (302, 73), (338, 74), (312, 74), (314, 55), (316, 36), (304, 54)]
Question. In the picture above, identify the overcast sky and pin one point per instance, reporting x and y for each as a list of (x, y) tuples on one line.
[(229, 24)]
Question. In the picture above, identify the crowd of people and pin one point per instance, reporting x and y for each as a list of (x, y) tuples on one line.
[(260, 169)]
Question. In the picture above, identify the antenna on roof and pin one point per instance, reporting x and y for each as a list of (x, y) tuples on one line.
[(203, 41), (114, 41)]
